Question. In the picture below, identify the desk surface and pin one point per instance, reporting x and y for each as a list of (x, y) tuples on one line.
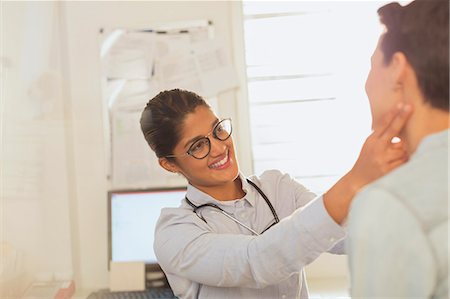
[(319, 288)]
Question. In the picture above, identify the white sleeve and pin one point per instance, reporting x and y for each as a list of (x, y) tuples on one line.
[(186, 247), (339, 248), (389, 253), (302, 197)]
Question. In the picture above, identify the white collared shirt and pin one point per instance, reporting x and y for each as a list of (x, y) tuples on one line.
[(222, 259)]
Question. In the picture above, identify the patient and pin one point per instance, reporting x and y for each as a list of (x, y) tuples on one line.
[(398, 225)]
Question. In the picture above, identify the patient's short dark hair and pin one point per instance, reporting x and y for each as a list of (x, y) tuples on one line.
[(420, 30)]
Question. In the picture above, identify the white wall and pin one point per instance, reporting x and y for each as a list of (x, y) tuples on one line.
[(34, 189)]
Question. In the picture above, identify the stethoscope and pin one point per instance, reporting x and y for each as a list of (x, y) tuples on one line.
[(214, 206)]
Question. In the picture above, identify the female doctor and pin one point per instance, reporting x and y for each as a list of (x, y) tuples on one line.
[(238, 237)]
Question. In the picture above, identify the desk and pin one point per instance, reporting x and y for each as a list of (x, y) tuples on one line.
[(319, 288)]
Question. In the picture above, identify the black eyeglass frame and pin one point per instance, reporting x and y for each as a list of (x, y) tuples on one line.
[(206, 137)]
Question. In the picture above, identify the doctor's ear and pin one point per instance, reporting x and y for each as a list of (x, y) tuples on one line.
[(168, 165)]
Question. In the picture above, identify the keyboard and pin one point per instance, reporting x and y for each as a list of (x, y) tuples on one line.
[(154, 293)]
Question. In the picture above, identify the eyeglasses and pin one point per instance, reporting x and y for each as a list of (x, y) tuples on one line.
[(202, 146)]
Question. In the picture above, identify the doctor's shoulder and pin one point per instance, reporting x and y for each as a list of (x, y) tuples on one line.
[(283, 186), (277, 179), (178, 217), (271, 176)]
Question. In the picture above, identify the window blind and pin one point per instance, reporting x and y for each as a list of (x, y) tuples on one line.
[(306, 67)]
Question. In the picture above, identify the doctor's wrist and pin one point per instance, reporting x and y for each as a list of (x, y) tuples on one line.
[(338, 198)]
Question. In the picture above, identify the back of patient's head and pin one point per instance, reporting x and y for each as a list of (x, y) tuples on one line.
[(420, 30), (163, 118)]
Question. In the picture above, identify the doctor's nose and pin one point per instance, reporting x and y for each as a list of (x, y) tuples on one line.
[(217, 147)]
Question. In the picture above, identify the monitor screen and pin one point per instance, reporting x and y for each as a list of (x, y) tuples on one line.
[(132, 219)]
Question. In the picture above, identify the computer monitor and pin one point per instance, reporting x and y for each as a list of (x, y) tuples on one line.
[(132, 219)]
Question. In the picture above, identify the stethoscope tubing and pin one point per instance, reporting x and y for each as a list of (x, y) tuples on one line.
[(239, 222), (272, 209)]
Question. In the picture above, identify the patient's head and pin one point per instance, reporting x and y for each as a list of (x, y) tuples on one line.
[(412, 55)]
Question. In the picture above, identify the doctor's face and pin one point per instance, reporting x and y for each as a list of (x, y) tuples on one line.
[(220, 165), (381, 86)]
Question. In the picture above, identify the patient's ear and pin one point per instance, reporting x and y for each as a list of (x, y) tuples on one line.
[(168, 165), (399, 69)]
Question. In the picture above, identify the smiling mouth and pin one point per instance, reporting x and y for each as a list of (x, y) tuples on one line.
[(221, 162)]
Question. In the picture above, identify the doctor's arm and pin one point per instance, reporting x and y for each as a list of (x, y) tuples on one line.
[(185, 246)]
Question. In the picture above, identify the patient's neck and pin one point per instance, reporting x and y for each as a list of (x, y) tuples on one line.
[(424, 121)]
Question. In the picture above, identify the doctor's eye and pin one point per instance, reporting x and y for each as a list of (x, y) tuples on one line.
[(223, 129), (219, 128), (199, 146)]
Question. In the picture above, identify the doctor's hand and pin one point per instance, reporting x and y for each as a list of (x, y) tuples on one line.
[(378, 156)]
